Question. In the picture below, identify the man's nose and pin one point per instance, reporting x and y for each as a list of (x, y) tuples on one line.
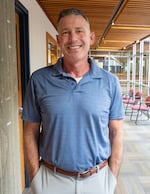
[(73, 36)]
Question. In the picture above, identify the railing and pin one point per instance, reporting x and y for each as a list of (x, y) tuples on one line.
[(126, 85)]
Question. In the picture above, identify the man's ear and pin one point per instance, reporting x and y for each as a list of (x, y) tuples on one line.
[(92, 37)]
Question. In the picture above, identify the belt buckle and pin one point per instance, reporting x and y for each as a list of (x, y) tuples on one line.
[(89, 171), (81, 173)]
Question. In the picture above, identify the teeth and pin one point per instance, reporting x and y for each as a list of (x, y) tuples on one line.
[(74, 47)]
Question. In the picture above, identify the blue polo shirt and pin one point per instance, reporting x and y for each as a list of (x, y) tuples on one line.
[(74, 116)]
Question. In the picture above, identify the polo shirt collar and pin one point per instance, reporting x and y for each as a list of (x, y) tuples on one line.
[(94, 72)]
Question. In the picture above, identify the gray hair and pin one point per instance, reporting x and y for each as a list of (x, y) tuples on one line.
[(71, 11)]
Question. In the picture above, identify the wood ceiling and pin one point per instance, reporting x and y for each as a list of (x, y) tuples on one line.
[(117, 24)]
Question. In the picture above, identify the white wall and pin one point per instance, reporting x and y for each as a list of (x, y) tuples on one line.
[(38, 25)]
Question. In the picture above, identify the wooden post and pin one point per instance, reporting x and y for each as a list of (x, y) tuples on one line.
[(10, 171)]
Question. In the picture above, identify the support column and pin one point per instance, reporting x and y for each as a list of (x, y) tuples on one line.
[(141, 64), (10, 173), (134, 68)]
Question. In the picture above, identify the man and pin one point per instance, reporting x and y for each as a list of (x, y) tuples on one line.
[(73, 115)]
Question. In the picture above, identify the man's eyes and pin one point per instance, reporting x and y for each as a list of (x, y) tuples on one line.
[(79, 31), (68, 32), (65, 32)]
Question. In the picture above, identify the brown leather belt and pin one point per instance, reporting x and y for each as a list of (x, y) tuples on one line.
[(75, 174)]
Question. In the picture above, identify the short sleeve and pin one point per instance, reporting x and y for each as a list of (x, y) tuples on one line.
[(31, 110), (116, 109)]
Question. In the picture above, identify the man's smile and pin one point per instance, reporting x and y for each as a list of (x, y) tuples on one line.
[(73, 47)]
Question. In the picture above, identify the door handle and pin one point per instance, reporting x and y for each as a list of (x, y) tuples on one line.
[(20, 109)]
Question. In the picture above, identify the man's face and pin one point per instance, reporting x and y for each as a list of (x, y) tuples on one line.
[(74, 37)]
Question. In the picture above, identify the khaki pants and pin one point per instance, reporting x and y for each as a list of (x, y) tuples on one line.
[(48, 182)]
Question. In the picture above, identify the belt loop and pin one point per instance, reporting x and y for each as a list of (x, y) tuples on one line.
[(54, 169), (97, 168), (78, 175)]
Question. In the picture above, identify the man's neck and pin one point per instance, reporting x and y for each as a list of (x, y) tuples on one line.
[(76, 70)]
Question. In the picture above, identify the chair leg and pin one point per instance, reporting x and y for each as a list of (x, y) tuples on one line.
[(126, 108), (137, 117), (131, 115), (148, 115)]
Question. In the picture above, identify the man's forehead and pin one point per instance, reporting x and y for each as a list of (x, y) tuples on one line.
[(72, 20)]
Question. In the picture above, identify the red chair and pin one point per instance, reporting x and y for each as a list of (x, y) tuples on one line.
[(129, 95), (140, 108), (132, 101)]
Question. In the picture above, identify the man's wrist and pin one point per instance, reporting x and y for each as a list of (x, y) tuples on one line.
[(33, 173)]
